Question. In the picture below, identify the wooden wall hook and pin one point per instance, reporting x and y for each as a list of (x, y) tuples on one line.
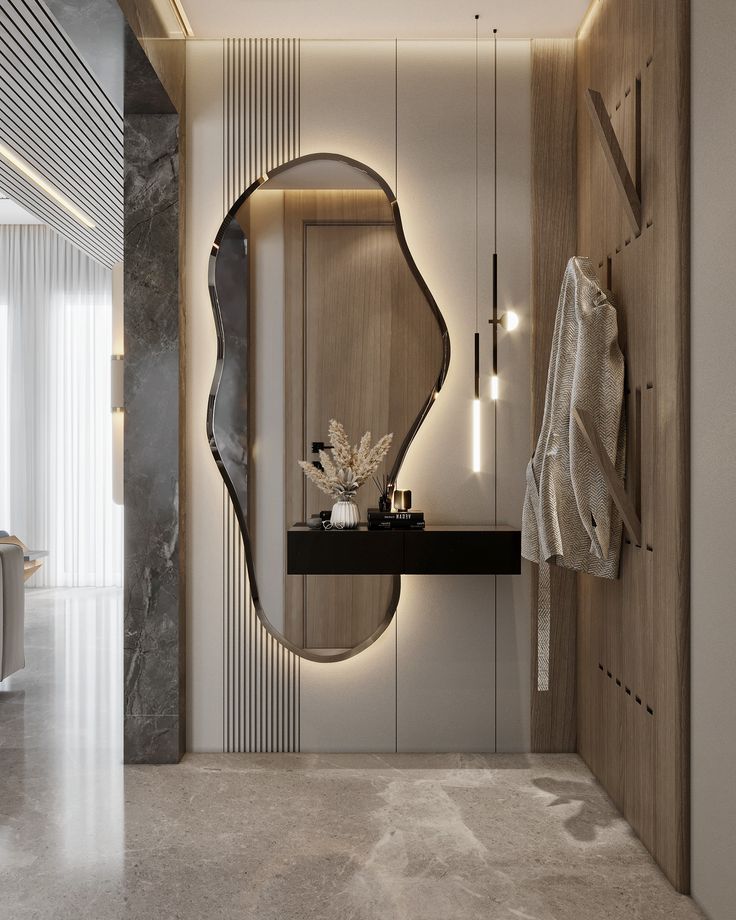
[(615, 158), (632, 521)]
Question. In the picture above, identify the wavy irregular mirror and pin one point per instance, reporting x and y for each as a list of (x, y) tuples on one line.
[(321, 313)]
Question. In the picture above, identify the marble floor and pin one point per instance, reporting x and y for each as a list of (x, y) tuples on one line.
[(403, 837)]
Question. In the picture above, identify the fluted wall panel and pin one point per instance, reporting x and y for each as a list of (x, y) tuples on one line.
[(260, 130), (261, 686)]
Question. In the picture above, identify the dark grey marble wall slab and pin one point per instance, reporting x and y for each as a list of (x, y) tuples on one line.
[(154, 628)]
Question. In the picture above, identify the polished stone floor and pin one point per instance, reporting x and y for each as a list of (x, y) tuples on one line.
[(402, 837)]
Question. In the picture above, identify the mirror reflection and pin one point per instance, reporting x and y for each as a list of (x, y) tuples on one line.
[(321, 315)]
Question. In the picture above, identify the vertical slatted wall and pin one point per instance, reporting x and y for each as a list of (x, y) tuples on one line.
[(261, 101), (260, 130), (633, 634), (261, 686)]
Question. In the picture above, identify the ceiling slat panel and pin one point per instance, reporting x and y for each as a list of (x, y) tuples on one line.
[(34, 92), (53, 57), (42, 207), (47, 153), (55, 117)]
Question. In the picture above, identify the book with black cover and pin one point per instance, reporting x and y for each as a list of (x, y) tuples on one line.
[(395, 520), (408, 517), (395, 525)]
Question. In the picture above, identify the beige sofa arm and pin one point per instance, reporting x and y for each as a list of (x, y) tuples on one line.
[(12, 610)]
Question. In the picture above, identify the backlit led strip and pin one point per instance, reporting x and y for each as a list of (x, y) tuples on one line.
[(182, 18), (28, 172)]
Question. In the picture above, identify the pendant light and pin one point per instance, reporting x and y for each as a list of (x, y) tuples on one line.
[(509, 319), (476, 337), (494, 319)]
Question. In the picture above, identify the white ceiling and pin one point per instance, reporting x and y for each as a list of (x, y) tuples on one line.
[(367, 19), (12, 213)]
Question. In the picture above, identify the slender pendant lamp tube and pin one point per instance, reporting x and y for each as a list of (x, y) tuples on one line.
[(494, 318), (476, 408), (476, 337), (477, 365), (476, 435)]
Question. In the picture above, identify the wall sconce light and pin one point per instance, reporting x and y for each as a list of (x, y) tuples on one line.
[(509, 320), (117, 391), (117, 384)]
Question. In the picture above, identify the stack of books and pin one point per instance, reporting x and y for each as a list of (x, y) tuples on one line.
[(395, 520)]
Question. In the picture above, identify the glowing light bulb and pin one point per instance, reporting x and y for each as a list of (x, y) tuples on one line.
[(510, 320), (494, 387), (476, 436)]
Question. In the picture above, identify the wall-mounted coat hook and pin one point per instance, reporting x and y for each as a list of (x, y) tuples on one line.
[(631, 519), (615, 158)]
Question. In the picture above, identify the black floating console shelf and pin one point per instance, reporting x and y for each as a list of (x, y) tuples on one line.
[(448, 550)]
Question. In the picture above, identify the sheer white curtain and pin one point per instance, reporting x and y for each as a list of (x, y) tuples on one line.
[(55, 423)]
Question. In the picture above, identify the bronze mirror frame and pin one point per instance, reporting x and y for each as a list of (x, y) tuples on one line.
[(227, 406)]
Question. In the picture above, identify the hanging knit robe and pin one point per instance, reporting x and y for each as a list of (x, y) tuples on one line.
[(569, 519)]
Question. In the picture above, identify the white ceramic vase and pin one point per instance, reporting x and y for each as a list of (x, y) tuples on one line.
[(345, 515)]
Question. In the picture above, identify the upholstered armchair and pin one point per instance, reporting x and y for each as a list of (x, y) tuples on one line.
[(12, 609)]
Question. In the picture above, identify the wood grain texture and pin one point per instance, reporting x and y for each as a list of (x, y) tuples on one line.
[(167, 55), (364, 347), (615, 158), (553, 721), (633, 633), (616, 487)]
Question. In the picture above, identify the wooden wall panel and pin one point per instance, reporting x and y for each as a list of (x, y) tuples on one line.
[(553, 721), (633, 634)]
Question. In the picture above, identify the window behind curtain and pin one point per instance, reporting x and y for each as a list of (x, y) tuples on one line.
[(55, 422)]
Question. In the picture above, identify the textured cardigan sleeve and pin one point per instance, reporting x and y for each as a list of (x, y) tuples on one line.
[(598, 384)]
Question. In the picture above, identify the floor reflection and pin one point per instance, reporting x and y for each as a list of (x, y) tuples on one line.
[(61, 793)]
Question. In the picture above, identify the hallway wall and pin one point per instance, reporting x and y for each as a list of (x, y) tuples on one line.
[(452, 670), (713, 430)]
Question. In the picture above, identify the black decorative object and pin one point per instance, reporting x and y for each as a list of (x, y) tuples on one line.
[(385, 491), (494, 316), (460, 550), (402, 499), (395, 520)]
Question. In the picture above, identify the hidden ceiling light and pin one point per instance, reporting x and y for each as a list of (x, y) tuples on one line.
[(32, 175)]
